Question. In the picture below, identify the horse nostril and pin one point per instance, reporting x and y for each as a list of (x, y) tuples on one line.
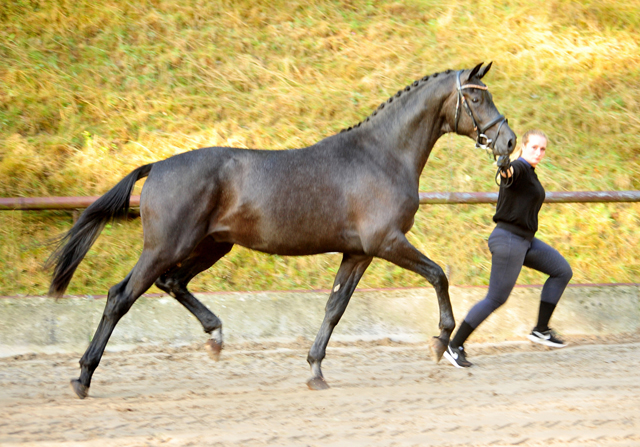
[(510, 143)]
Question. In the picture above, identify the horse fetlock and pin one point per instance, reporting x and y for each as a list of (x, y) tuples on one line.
[(315, 357), (447, 325), (315, 364), (316, 382), (89, 362), (216, 334), (213, 325)]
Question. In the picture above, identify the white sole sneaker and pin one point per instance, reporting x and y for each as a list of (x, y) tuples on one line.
[(454, 361), (451, 359), (545, 342)]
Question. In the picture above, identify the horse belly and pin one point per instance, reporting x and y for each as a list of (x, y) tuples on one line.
[(296, 240), (297, 235)]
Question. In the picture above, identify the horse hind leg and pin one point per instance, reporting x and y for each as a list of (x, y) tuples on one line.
[(175, 281), (351, 270), (119, 300)]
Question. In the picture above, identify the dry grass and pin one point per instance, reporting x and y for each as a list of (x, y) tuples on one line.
[(90, 90)]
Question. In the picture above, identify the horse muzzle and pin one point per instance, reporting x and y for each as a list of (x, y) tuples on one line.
[(503, 142)]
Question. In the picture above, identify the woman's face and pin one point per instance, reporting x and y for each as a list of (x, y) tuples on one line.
[(534, 150)]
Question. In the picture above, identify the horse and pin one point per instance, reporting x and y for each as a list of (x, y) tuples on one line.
[(354, 192)]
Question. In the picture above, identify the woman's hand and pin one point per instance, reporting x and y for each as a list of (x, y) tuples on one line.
[(504, 164)]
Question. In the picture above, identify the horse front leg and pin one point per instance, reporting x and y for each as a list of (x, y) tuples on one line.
[(351, 270), (398, 250)]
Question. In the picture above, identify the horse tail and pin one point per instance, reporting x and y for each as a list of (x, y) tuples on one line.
[(72, 247)]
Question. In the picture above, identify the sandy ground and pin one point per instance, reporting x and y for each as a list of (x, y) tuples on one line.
[(383, 394)]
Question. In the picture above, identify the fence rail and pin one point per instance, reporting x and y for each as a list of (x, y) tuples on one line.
[(426, 198), (453, 198)]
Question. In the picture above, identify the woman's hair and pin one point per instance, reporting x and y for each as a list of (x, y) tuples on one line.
[(525, 140)]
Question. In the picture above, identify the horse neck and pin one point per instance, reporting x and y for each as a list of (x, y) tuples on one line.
[(408, 128)]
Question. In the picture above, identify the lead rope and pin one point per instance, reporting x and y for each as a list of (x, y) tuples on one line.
[(449, 143), (503, 167)]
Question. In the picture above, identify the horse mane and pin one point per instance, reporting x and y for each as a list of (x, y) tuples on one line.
[(400, 92)]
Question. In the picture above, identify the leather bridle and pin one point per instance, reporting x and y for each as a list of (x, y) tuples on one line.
[(482, 140)]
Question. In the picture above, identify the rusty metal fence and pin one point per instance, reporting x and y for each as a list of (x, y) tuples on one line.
[(426, 198)]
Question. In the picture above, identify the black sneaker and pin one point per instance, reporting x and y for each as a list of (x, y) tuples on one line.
[(547, 338), (457, 357)]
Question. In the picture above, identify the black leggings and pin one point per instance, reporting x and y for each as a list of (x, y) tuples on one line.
[(509, 253)]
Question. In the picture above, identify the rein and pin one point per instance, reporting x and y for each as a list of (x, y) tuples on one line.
[(482, 140)]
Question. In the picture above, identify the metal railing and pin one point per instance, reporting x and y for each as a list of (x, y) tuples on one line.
[(452, 198), (426, 198)]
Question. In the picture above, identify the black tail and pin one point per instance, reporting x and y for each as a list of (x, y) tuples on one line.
[(75, 244)]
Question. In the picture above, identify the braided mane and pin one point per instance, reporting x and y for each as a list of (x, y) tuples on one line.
[(397, 95)]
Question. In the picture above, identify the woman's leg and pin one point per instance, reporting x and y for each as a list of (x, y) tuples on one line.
[(508, 252), (548, 260)]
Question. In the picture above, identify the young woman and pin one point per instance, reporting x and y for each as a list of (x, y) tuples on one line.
[(513, 245)]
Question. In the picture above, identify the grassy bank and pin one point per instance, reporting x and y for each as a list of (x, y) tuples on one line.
[(89, 91)]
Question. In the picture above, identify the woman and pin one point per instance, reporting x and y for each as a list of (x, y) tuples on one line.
[(513, 245)]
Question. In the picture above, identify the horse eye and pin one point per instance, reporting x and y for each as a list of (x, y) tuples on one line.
[(475, 100)]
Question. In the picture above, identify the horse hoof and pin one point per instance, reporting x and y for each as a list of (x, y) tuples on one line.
[(317, 384), (213, 348), (78, 388), (437, 348)]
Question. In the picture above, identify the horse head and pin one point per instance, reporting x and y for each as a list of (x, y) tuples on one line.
[(472, 113)]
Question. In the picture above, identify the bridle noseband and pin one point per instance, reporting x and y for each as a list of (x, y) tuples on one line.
[(482, 140)]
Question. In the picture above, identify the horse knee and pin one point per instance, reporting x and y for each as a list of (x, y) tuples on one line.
[(439, 279)]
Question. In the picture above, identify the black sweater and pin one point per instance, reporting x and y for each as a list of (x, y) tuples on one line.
[(519, 204)]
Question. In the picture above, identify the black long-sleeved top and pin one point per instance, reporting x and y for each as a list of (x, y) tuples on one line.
[(519, 204)]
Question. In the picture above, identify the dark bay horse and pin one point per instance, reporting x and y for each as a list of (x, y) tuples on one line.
[(355, 192)]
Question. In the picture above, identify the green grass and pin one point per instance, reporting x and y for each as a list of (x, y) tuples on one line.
[(91, 90)]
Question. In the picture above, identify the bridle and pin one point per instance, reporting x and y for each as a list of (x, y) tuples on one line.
[(482, 140)]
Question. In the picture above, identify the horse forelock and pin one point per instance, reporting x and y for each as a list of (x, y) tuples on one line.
[(400, 93)]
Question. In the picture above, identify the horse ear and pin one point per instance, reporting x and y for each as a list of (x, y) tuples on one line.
[(484, 71), (475, 70)]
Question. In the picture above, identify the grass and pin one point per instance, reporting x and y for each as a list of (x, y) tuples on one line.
[(91, 90)]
